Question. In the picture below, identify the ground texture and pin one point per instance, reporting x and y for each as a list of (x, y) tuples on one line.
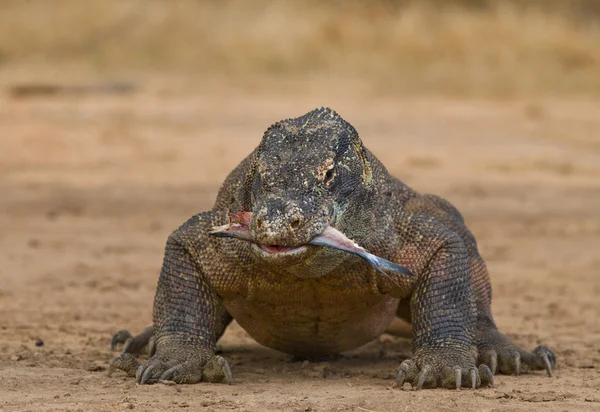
[(90, 188)]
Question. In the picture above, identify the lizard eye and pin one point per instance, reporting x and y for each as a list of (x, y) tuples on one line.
[(329, 176)]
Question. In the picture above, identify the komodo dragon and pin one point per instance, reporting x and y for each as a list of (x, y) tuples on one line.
[(308, 176)]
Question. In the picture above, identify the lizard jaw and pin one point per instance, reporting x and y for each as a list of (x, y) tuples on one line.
[(238, 228)]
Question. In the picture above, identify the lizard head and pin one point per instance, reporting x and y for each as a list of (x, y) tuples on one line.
[(311, 198), (308, 170)]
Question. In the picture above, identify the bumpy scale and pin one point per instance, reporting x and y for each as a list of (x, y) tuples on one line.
[(309, 175)]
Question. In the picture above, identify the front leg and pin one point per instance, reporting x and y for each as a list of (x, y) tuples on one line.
[(187, 316), (444, 315), (495, 349)]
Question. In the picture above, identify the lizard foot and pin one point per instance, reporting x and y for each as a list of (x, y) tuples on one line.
[(441, 372), (125, 362), (134, 344), (185, 367), (501, 355)]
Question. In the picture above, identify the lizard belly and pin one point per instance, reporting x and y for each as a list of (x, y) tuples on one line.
[(313, 319)]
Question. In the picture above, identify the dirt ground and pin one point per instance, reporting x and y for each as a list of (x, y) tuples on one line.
[(90, 187)]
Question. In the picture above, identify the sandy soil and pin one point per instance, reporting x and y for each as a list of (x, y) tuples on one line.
[(91, 187)]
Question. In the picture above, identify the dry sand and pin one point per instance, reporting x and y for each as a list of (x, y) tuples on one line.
[(91, 187)]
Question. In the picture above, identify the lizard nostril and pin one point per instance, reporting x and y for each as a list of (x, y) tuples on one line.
[(295, 223), (259, 222)]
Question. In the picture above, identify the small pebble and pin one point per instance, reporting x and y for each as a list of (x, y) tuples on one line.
[(39, 343), (33, 243)]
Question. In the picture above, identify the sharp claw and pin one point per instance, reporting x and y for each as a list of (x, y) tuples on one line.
[(402, 374), (169, 374), (547, 357), (486, 375), (147, 375), (493, 361), (114, 342), (140, 372), (127, 344), (517, 363), (112, 367), (119, 337), (422, 377), (552, 358), (151, 347), (458, 374), (400, 378), (226, 370), (474, 378), (547, 364)]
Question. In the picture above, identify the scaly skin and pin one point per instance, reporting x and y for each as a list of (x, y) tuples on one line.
[(310, 301)]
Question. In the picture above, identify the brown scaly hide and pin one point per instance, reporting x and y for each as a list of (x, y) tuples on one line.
[(307, 173)]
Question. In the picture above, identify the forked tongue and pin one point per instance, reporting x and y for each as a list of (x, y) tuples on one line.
[(239, 224)]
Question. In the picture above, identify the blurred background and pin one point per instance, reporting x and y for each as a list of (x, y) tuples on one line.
[(120, 119), (449, 47)]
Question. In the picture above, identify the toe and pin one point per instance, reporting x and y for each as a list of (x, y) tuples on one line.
[(170, 374), (472, 379), (458, 378), (217, 370), (517, 362), (186, 373), (510, 363), (547, 365), (226, 369), (426, 378), (129, 345), (451, 378), (147, 375), (151, 347), (407, 372), (486, 375), (545, 359), (120, 337), (140, 372), (125, 362), (490, 358)]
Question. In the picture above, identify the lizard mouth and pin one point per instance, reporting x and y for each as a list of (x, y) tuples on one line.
[(277, 250), (274, 249), (239, 228)]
